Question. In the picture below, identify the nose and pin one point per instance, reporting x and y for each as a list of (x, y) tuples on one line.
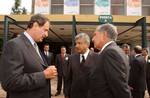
[(46, 34), (76, 46), (93, 39)]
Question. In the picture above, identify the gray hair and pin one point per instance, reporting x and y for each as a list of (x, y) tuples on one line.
[(110, 29), (83, 36)]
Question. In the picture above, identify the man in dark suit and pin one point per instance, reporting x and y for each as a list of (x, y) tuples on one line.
[(108, 78), (80, 64), (61, 65), (24, 73), (137, 78), (48, 55), (147, 59)]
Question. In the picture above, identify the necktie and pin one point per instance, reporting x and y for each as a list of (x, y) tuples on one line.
[(83, 59), (47, 53), (37, 50), (62, 57)]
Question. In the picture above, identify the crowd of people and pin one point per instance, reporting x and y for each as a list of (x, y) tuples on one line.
[(112, 72)]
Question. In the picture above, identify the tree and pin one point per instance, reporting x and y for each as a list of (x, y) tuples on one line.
[(16, 9), (24, 10)]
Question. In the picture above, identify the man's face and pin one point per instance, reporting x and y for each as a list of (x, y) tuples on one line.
[(144, 53), (126, 50), (40, 32), (81, 46), (46, 48), (98, 40), (63, 50)]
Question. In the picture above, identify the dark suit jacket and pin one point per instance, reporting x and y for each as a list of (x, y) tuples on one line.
[(77, 79), (61, 65), (109, 78), (148, 69), (21, 70), (148, 73), (49, 59), (137, 79)]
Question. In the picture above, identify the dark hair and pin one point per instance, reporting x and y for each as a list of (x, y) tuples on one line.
[(38, 18), (46, 44), (63, 47)]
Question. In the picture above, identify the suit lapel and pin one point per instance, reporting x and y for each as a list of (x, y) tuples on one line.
[(31, 49), (78, 59), (88, 59)]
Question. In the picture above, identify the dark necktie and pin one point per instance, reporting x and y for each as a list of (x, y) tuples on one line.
[(62, 57), (83, 59), (47, 53)]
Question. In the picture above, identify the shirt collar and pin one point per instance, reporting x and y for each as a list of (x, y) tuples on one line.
[(30, 38), (137, 55), (85, 54), (108, 43)]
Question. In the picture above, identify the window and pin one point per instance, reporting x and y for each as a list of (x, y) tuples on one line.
[(57, 1), (117, 10), (117, 1), (146, 11), (85, 1), (57, 9), (86, 9)]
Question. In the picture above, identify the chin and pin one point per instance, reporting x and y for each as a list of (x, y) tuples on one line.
[(40, 40)]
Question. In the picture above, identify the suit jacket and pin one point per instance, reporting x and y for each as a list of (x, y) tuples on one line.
[(109, 77), (148, 74), (21, 70), (148, 69), (49, 58), (77, 79), (137, 79), (62, 65)]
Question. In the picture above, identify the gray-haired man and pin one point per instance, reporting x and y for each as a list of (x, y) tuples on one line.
[(109, 78), (80, 65)]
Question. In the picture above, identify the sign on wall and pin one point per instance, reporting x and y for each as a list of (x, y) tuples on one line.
[(102, 7), (71, 6), (105, 19), (134, 7), (42, 6)]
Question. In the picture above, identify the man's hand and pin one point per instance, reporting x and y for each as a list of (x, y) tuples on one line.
[(50, 72)]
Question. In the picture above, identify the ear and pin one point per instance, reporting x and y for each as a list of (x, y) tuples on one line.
[(35, 24)]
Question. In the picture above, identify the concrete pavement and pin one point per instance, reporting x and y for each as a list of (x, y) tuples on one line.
[(54, 83)]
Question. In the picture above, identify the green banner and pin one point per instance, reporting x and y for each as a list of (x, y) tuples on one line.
[(105, 19)]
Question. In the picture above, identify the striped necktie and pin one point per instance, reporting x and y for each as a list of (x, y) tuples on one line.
[(37, 50)]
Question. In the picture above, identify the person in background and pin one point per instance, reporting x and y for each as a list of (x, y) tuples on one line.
[(137, 76), (48, 55), (147, 59), (23, 71), (109, 78), (126, 49), (61, 65)]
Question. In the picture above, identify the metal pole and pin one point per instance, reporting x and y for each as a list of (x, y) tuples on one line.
[(6, 30), (144, 33), (74, 30)]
